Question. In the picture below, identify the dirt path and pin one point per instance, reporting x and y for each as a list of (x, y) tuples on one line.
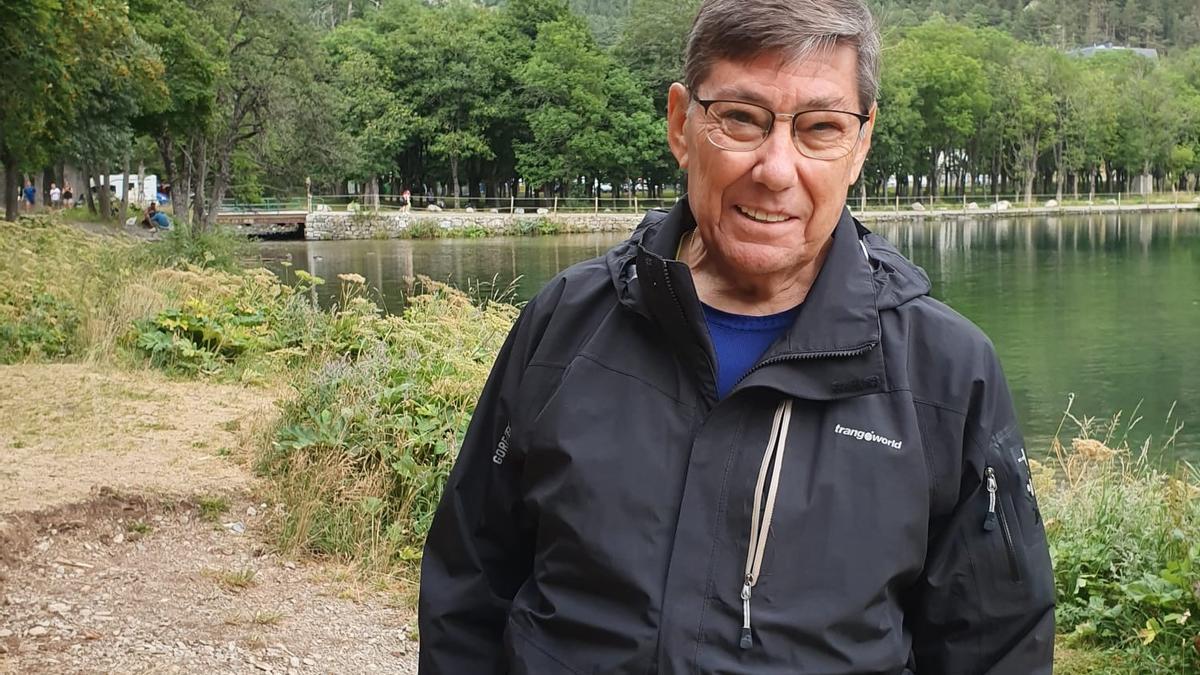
[(129, 542)]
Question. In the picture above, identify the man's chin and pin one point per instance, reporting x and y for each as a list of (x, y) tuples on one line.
[(752, 259)]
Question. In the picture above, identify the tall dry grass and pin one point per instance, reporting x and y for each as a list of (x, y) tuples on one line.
[(1124, 533)]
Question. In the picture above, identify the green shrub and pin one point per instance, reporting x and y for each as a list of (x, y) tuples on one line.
[(258, 323), (216, 247), (1125, 541), (39, 325), (362, 453), (474, 231), (56, 282), (424, 228)]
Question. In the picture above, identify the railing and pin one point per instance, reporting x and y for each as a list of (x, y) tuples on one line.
[(527, 205), (637, 204), (1010, 201)]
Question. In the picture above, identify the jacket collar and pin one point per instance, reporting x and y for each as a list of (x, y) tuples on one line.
[(832, 350)]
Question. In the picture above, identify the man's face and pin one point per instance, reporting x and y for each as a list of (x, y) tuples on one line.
[(731, 192)]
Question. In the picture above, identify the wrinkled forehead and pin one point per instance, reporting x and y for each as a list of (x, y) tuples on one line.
[(817, 78)]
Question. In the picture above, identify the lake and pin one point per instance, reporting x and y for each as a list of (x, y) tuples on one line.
[(1105, 306)]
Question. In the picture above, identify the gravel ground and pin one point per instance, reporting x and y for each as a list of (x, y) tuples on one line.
[(129, 542), (123, 585)]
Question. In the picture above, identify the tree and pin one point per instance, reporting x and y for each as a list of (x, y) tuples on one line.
[(652, 43), (949, 91), (378, 123), (183, 36), (587, 117)]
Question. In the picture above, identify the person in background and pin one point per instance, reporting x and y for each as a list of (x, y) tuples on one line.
[(30, 194), (68, 196), (156, 219), (55, 197)]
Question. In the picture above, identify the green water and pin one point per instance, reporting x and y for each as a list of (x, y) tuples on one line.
[(1105, 307)]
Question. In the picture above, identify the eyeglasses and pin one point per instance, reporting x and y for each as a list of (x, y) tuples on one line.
[(818, 134)]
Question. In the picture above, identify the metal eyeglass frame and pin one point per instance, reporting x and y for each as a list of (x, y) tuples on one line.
[(862, 125)]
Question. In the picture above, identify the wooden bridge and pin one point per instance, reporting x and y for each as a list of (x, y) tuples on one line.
[(264, 222)]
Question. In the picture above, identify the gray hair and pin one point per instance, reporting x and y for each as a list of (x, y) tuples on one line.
[(740, 30)]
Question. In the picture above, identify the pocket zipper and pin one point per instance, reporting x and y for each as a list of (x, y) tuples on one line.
[(994, 515)]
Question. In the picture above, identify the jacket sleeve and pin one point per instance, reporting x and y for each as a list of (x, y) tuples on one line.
[(479, 549), (985, 602)]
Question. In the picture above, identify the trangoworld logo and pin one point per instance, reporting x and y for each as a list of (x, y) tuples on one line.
[(868, 436)]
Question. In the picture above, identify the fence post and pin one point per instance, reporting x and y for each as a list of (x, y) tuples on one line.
[(635, 204), (1118, 200), (597, 193), (512, 201), (556, 203), (308, 191)]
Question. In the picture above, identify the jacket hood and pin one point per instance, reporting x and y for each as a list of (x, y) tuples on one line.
[(895, 280)]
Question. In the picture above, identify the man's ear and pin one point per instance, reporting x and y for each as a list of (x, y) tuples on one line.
[(864, 146), (678, 100)]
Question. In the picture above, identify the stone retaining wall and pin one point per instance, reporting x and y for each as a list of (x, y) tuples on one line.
[(326, 225)]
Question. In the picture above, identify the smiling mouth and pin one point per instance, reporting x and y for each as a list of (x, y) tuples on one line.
[(761, 216)]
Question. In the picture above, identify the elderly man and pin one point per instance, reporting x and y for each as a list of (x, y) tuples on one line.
[(746, 440)]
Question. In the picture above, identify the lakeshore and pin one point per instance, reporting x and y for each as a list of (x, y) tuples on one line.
[(438, 224)]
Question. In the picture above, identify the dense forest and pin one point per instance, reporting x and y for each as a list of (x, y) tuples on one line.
[(1057, 23), (230, 99)]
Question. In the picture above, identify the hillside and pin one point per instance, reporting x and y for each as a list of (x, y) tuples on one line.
[(1161, 24)]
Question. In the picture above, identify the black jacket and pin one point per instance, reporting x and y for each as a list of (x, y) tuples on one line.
[(600, 515)]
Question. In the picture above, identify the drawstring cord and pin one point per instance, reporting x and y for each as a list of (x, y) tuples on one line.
[(760, 519)]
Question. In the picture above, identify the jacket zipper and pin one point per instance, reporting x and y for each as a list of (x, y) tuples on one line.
[(666, 275), (762, 512), (807, 356), (994, 515)]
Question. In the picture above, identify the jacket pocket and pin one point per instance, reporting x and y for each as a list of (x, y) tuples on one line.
[(527, 657), (1000, 519)]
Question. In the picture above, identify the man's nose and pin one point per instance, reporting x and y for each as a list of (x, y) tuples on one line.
[(778, 163)]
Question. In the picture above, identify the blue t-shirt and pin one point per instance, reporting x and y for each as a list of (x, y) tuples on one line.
[(160, 220), (740, 341), (30, 194)]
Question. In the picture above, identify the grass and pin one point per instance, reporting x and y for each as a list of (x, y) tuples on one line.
[(212, 507), (138, 527), (361, 454), (1125, 541), (65, 293), (260, 617), (234, 580)]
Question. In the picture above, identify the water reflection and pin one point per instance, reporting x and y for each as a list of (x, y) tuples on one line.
[(1106, 306)]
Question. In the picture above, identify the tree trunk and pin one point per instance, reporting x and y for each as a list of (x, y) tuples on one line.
[(166, 149), (89, 176), (181, 200), (47, 179), (454, 177), (10, 186), (200, 177), (125, 190), (142, 183), (1029, 178), (105, 198), (221, 180)]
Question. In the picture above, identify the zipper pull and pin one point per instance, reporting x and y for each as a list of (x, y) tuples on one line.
[(989, 521), (747, 639)]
